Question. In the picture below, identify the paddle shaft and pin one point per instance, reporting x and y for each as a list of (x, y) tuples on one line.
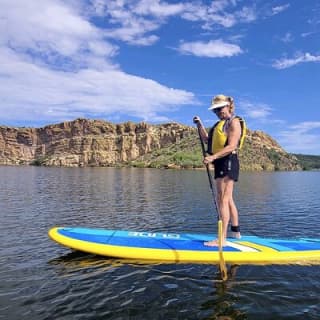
[(208, 170)]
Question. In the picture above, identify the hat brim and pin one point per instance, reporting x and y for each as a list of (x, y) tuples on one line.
[(218, 105)]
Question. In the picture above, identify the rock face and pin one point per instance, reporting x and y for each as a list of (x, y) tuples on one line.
[(85, 142)]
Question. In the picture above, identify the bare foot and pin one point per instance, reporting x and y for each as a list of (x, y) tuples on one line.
[(214, 243)]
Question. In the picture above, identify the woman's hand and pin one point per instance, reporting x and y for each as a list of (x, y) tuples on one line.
[(209, 159), (196, 120)]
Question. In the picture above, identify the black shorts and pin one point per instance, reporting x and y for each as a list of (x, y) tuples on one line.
[(227, 166)]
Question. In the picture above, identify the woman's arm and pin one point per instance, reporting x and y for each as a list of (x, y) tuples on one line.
[(202, 130)]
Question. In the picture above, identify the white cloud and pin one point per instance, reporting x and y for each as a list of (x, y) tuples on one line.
[(279, 9), (41, 93), (56, 65), (288, 37), (211, 49), (221, 13), (257, 111), (154, 8), (50, 30), (306, 126), (308, 34), (158, 8), (301, 138), (220, 5), (134, 30), (132, 21), (301, 58), (246, 14), (43, 25), (259, 115)]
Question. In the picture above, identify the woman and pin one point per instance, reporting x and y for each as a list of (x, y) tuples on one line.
[(224, 139)]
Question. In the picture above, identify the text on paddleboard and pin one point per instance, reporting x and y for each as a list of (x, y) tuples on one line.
[(154, 235)]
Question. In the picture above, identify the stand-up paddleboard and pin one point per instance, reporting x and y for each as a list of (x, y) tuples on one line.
[(174, 247)]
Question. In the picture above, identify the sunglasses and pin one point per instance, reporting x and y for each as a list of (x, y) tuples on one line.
[(217, 110)]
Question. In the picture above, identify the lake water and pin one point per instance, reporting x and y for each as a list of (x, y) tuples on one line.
[(41, 280)]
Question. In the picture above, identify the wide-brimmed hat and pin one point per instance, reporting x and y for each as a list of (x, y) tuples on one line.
[(218, 102)]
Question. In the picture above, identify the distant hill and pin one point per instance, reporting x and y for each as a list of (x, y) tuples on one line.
[(84, 142), (308, 162)]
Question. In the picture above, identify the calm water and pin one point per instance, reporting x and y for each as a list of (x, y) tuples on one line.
[(41, 280)]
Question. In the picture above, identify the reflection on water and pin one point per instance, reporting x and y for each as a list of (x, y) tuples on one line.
[(42, 280)]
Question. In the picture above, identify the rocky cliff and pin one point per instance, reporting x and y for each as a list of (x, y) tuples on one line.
[(85, 142)]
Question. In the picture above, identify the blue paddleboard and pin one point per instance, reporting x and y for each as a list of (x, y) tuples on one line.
[(187, 248)]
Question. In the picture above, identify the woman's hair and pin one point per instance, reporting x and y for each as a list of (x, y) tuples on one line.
[(222, 97)]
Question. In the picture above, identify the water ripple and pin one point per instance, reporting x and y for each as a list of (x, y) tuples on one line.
[(41, 280)]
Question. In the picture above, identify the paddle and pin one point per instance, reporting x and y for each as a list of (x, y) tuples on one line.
[(222, 264)]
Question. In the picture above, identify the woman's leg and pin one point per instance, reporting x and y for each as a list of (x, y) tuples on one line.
[(224, 188), (233, 212), (234, 216), (225, 205)]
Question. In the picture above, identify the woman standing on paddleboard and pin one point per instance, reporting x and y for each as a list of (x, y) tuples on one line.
[(224, 140)]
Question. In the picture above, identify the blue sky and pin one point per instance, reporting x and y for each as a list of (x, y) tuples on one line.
[(162, 61)]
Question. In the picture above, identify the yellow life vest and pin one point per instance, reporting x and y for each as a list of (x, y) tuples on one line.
[(218, 139)]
